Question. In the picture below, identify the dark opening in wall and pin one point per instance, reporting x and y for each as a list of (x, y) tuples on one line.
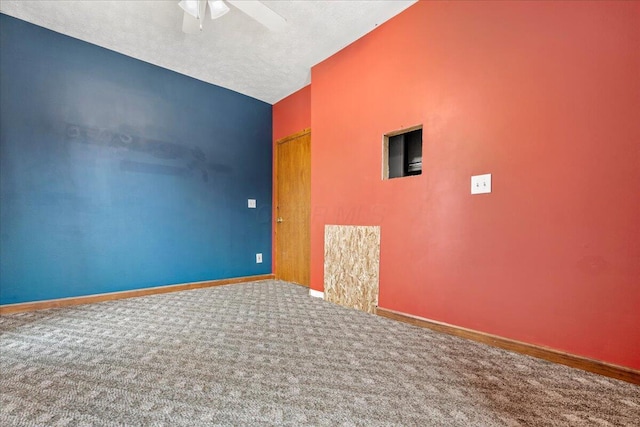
[(403, 153)]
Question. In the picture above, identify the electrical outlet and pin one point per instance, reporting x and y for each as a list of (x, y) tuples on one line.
[(251, 203), (258, 258), (481, 184)]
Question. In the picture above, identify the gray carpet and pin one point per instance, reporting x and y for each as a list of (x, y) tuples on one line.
[(266, 353)]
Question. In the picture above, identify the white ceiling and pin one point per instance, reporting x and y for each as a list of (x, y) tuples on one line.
[(233, 51)]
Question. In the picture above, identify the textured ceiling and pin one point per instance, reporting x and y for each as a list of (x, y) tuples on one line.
[(233, 51)]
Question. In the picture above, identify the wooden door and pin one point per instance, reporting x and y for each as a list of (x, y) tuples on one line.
[(293, 207)]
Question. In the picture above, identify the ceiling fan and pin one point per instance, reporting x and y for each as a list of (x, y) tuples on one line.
[(195, 12)]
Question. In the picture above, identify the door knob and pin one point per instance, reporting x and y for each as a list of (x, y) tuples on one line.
[(279, 219)]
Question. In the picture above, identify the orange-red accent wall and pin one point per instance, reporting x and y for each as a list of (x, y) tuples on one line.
[(543, 95), (290, 115)]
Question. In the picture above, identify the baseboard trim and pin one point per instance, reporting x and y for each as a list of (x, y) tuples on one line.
[(88, 299), (549, 354), (316, 294)]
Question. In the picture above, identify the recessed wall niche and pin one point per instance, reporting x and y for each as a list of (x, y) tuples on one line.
[(402, 153)]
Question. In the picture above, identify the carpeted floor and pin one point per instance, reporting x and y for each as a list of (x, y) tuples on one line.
[(265, 353)]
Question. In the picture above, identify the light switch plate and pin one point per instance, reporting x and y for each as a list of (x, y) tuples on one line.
[(481, 184), (251, 203), (258, 258)]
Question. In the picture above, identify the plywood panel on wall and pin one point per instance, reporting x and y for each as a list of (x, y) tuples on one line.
[(351, 266)]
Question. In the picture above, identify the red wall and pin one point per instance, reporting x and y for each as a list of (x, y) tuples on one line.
[(290, 115), (543, 95)]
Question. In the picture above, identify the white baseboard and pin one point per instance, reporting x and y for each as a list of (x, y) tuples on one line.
[(316, 294)]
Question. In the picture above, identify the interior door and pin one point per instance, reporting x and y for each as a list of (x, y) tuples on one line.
[(293, 207)]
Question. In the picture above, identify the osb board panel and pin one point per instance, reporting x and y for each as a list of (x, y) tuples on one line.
[(352, 265)]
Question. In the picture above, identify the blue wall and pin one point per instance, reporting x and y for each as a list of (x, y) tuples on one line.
[(116, 174)]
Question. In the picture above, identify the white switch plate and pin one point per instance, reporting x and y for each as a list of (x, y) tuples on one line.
[(481, 184), (258, 258), (251, 203)]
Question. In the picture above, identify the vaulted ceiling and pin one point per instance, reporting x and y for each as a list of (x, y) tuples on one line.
[(234, 51)]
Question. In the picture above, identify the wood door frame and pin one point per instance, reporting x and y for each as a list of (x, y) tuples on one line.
[(274, 213)]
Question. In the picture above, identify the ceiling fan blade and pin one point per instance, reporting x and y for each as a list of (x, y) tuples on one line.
[(261, 13)]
